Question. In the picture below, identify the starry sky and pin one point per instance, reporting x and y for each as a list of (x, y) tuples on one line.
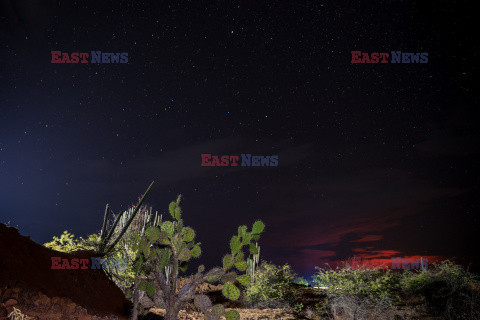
[(375, 160)]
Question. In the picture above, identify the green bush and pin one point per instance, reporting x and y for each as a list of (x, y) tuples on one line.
[(375, 284), (67, 242), (447, 290), (272, 286), (301, 281), (362, 294)]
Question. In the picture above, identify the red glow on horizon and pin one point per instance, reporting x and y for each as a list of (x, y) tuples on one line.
[(359, 262)]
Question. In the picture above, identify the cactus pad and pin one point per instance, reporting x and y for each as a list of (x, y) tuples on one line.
[(185, 255), (218, 310), (196, 251), (258, 227), (227, 261), (188, 234), (232, 315), (202, 302), (167, 226), (244, 279), (230, 291), (235, 245), (150, 288), (241, 265)]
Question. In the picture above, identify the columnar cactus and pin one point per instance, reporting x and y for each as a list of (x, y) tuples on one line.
[(252, 263), (169, 246), (106, 246), (116, 237)]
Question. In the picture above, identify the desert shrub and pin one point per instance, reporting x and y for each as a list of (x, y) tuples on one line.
[(67, 242), (300, 280), (360, 308), (272, 286), (321, 310), (447, 290), (358, 293), (375, 284)]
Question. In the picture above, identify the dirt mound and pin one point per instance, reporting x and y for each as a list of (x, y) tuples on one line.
[(27, 265)]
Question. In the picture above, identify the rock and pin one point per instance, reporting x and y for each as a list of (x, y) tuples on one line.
[(43, 301), (85, 317), (56, 308), (70, 307), (56, 300), (3, 312), (146, 302), (61, 301), (11, 302), (50, 316), (81, 311), (158, 311)]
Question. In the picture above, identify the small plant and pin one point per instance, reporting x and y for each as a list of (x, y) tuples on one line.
[(17, 314), (168, 247), (297, 308), (272, 285)]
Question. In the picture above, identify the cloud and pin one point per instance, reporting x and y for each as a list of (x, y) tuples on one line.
[(334, 213), (370, 238)]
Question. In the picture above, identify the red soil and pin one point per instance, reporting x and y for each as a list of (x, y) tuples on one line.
[(27, 265)]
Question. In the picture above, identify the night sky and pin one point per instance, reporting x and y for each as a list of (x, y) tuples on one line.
[(375, 160)]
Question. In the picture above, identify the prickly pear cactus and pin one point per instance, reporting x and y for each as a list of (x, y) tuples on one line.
[(167, 248)]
